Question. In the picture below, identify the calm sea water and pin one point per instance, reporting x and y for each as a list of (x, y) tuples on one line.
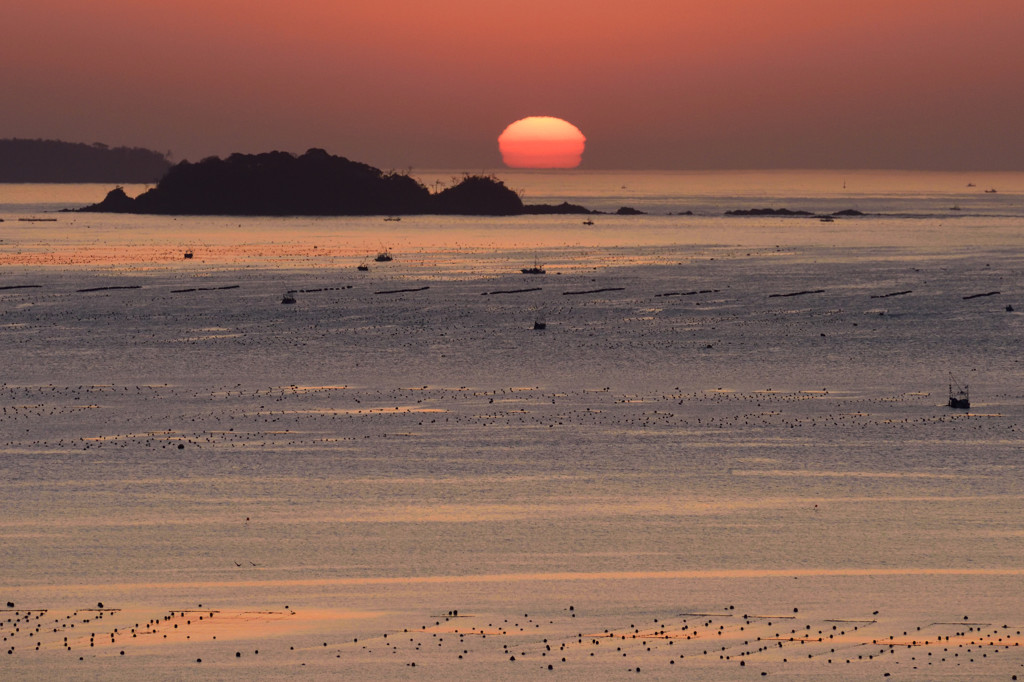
[(721, 411)]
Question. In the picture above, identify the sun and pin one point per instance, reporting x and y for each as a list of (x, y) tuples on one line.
[(541, 142)]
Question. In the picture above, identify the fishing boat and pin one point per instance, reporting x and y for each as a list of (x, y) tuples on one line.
[(537, 268), (384, 256), (188, 254), (959, 397), (392, 219), (363, 267), (588, 221), (287, 299)]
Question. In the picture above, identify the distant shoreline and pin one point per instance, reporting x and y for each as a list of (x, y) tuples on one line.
[(55, 161)]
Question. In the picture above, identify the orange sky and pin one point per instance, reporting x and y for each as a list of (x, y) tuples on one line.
[(651, 83)]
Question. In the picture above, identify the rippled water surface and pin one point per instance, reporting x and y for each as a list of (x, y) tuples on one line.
[(730, 429)]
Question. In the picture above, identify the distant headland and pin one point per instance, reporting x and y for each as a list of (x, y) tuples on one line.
[(56, 161), (315, 184)]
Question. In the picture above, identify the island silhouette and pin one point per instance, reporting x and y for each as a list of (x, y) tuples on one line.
[(312, 184)]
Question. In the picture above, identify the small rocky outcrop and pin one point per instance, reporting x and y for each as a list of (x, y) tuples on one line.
[(768, 212), (116, 201), (564, 208)]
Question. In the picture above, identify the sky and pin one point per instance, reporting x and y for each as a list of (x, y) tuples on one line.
[(652, 84)]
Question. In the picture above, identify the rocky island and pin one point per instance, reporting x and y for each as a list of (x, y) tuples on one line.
[(315, 183), (274, 184)]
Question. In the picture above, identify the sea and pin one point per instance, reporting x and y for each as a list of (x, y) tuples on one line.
[(698, 446)]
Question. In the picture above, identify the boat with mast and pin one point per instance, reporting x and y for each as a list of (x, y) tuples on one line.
[(959, 397), (537, 268)]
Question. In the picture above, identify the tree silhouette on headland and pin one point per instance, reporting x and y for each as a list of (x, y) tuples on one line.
[(477, 195)]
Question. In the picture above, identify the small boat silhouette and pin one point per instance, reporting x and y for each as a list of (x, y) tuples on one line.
[(384, 256), (537, 268), (959, 397)]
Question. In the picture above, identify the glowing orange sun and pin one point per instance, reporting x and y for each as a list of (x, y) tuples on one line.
[(541, 142)]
